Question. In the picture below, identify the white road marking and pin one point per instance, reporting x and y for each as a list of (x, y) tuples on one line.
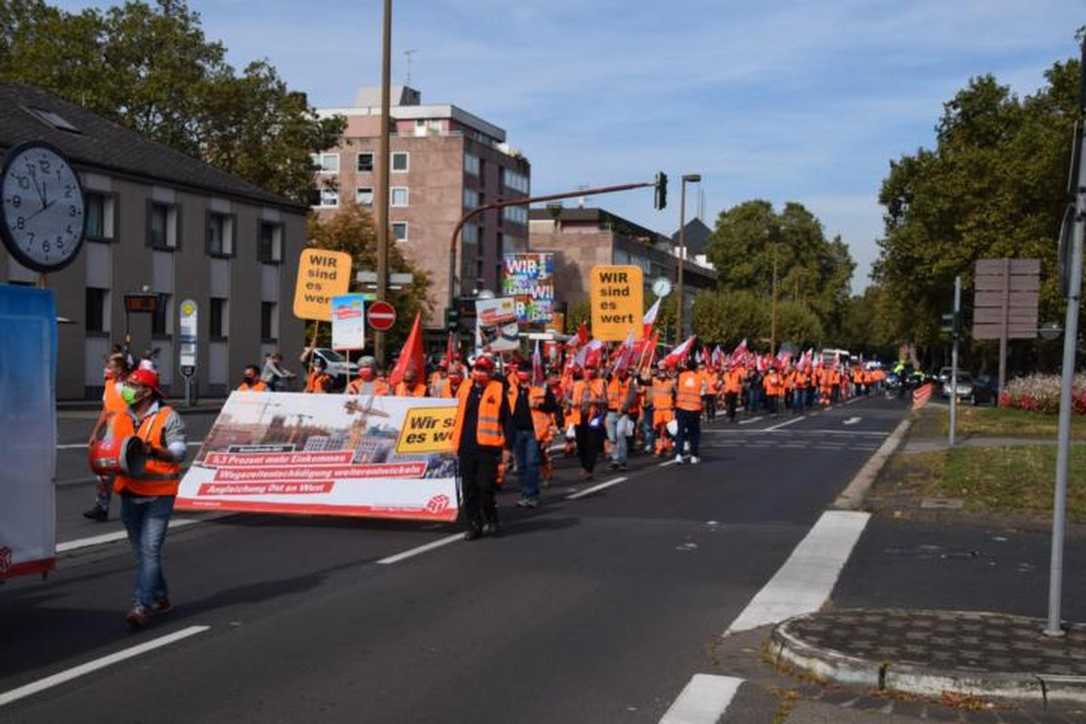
[(83, 445), (807, 578), (668, 462), (595, 488), (97, 540), (804, 431), (784, 424), (854, 399), (703, 700), (852, 420), (48, 682), (421, 549)]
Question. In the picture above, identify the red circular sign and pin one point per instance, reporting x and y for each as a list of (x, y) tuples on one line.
[(381, 316)]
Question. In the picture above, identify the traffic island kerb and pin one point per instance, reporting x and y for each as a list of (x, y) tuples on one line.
[(934, 653)]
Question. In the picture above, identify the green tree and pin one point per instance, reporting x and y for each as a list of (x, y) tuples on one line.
[(797, 323), (993, 186), (151, 68), (726, 318), (351, 230), (812, 271)]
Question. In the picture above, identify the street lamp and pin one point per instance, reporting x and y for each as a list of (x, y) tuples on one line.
[(679, 302)]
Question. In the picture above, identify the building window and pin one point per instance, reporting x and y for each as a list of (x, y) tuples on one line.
[(99, 216), (269, 321), (365, 162), (162, 225), (364, 196), (470, 233), (512, 179), (162, 319), (97, 314), (220, 323), (471, 199), (324, 198), (220, 234), (399, 197), (471, 164), (516, 214), (270, 244), (325, 162), (399, 230), (499, 245), (400, 162)]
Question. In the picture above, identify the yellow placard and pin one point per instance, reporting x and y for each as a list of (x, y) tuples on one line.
[(617, 293), (321, 275), (426, 430)]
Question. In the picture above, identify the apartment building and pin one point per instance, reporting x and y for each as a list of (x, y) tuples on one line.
[(444, 162), (159, 221), (585, 237)]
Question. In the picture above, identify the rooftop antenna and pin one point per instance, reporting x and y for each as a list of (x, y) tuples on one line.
[(408, 54), (582, 201)]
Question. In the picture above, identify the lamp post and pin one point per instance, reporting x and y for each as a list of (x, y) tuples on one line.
[(381, 197), (679, 301)]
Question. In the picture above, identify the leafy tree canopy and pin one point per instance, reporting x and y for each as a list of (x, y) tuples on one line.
[(150, 67)]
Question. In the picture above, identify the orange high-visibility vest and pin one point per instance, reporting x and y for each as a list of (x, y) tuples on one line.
[(688, 393), (258, 386), (111, 398), (488, 430), (160, 477), (733, 382), (376, 387), (317, 382), (617, 390), (581, 391), (541, 421), (418, 390), (661, 395)]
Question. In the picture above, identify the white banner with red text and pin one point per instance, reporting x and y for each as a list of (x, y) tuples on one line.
[(363, 456)]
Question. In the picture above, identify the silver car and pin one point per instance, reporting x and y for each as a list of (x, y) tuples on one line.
[(965, 386)]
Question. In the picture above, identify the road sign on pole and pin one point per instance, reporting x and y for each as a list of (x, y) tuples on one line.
[(381, 316), (1005, 303)]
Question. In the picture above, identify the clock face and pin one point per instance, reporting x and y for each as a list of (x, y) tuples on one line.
[(41, 220), (661, 287)]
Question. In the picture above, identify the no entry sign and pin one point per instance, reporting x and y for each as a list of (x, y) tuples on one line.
[(381, 316)]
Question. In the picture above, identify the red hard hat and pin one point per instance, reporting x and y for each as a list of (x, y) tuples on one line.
[(146, 378), (484, 363)]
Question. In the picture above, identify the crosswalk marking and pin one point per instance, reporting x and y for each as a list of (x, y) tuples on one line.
[(703, 700)]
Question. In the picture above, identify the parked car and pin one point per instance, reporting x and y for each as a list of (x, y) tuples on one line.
[(964, 389), (985, 390), (944, 374)]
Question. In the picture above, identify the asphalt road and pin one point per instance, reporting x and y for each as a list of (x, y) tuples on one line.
[(598, 609)]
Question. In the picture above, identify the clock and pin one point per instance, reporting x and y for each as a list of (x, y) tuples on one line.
[(661, 287), (41, 219)]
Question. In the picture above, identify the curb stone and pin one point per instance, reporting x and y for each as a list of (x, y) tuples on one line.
[(853, 496), (927, 681)]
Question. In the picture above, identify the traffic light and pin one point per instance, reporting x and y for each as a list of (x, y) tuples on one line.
[(452, 318), (660, 201), (952, 323)]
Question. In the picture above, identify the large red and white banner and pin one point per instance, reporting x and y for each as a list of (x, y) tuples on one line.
[(278, 452)]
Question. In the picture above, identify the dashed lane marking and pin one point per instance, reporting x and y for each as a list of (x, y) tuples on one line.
[(852, 420), (97, 540), (421, 549), (703, 700), (747, 422), (595, 488), (786, 423), (67, 675)]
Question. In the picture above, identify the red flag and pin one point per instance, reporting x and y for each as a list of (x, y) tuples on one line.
[(580, 339), (538, 376), (411, 356), (452, 353), (651, 347), (625, 354), (680, 353), (649, 319)]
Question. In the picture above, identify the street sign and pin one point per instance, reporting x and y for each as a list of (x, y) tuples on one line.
[(1005, 303), (188, 333), (348, 322), (140, 302), (381, 316)]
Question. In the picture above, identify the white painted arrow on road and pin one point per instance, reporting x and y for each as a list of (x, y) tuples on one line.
[(853, 420)]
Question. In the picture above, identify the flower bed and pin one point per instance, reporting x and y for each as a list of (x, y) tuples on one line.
[(1041, 393)]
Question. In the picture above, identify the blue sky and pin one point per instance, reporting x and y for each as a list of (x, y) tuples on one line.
[(802, 100)]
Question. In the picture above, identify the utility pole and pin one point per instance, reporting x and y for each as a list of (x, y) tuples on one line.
[(680, 301), (1067, 373), (773, 325), (954, 360), (381, 196)]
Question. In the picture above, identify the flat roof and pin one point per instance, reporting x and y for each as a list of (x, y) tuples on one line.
[(421, 112)]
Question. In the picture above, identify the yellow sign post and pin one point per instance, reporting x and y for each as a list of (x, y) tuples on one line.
[(322, 275), (617, 299)]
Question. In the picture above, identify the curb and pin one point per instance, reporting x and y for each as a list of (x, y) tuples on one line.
[(853, 496), (831, 665)]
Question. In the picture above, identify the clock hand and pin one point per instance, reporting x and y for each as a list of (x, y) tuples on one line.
[(43, 208)]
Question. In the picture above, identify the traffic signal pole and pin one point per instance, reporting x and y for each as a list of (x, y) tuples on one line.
[(954, 361), (533, 200)]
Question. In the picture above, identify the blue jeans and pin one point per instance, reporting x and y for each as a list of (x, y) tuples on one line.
[(797, 400), (647, 433), (689, 431), (526, 452), (146, 520), (618, 442)]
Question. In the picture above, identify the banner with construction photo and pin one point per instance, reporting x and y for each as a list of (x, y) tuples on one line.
[(364, 456)]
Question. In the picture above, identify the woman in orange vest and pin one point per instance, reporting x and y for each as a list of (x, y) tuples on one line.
[(318, 381), (621, 399), (663, 409), (688, 408), (588, 407), (482, 415), (251, 381), (774, 389), (112, 404), (733, 387), (147, 500)]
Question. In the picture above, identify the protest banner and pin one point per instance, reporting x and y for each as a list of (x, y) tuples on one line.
[(321, 275), (616, 300), (348, 322), (496, 328), (529, 279), (281, 452)]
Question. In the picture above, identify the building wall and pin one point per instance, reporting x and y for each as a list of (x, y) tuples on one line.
[(127, 264)]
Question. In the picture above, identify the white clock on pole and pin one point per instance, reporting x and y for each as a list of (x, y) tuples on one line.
[(661, 287), (41, 219)]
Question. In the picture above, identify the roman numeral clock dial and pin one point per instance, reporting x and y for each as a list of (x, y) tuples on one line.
[(41, 219)]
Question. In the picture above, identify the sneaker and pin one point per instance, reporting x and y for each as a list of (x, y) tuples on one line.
[(97, 514), (531, 503), (694, 460), (472, 533), (522, 503), (613, 465), (492, 529), (138, 617), (648, 449), (162, 605), (678, 459)]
